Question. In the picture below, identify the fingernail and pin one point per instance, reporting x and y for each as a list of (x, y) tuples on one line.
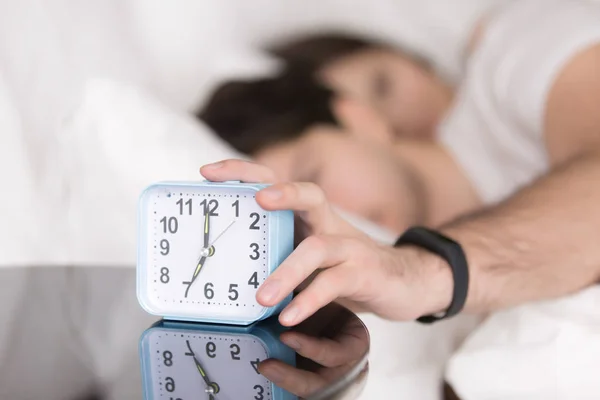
[(214, 165), (289, 315), (272, 194), (291, 342), (275, 373), (268, 291)]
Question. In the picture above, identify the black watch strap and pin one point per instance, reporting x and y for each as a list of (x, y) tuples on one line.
[(453, 253)]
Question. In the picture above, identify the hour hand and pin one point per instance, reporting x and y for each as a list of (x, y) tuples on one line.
[(201, 370), (212, 388), (199, 266)]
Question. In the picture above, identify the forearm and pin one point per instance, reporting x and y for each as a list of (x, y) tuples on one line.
[(541, 243), (445, 192)]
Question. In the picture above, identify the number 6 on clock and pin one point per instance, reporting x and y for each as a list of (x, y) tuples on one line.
[(204, 249)]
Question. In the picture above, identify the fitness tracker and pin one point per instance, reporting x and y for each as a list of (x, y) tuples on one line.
[(453, 253)]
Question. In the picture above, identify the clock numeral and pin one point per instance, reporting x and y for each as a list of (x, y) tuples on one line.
[(210, 207), (253, 281), (255, 365), (254, 224), (259, 392), (190, 352), (164, 275), (170, 225), (165, 247), (234, 293), (187, 289), (236, 205), (255, 253), (211, 349), (209, 293), (170, 384), (181, 204), (167, 358), (235, 351)]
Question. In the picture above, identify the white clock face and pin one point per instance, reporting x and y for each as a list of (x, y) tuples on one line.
[(207, 252), (186, 365)]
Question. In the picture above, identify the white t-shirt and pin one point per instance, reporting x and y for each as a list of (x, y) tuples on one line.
[(495, 130)]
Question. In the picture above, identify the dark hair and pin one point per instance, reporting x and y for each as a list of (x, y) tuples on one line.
[(252, 115), (314, 52)]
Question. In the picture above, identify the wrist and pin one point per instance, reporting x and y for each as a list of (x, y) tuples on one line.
[(429, 279)]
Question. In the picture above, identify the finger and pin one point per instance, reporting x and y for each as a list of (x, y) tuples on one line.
[(237, 170), (327, 352), (313, 253), (298, 382), (308, 200), (327, 287)]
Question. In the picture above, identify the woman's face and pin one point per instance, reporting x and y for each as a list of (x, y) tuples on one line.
[(355, 175), (406, 94)]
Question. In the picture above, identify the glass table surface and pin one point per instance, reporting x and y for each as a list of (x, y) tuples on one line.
[(78, 333)]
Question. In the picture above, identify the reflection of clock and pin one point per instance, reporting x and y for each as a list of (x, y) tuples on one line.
[(205, 248), (196, 361)]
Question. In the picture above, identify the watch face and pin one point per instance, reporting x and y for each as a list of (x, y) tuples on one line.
[(206, 252), (189, 365)]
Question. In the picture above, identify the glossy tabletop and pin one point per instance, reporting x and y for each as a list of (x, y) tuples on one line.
[(78, 333)]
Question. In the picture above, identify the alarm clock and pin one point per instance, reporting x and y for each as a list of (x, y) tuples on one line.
[(183, 360), (204, 249)]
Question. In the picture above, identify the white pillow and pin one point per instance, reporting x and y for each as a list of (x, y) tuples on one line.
[(118, 141), (18, 209)]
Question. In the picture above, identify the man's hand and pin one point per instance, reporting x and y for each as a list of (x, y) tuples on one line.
[(336, 357), (399, 284)]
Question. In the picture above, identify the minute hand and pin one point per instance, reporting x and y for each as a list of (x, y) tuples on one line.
[(206, 229)]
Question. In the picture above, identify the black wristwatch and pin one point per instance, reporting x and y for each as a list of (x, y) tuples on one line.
[(453, 253)]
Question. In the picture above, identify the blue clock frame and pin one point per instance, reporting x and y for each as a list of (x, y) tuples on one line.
[(280, 245)]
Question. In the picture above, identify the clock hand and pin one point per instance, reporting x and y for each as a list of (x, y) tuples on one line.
[(221, 234), (211, 391), (206, 251), (199, 266), (211, 387), (206, 229), (201, 370)]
